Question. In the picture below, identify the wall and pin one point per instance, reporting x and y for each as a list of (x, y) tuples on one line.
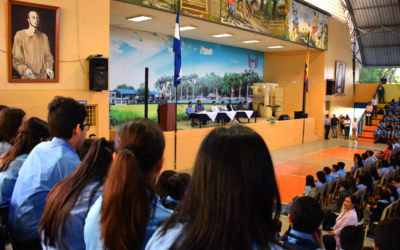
[(365, 91), (84, 31)]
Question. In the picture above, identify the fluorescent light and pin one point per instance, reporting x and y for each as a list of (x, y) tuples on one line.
[(139, 18), (187, 27), (276, 47), (251, 41), (222, 35)]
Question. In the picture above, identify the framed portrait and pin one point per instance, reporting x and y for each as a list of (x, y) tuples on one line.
[(340, 77), (32, 40)]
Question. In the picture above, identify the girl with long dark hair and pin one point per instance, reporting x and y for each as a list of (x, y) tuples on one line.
[(30, 134), (10, 121), (127, 213), (230, 201), (68, 203)]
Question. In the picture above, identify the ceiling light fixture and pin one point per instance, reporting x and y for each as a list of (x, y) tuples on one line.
[(187, 27), (139, 18), (276, 47), (222, 35), (251, 41)]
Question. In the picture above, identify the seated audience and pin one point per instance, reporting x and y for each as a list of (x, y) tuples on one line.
[(394, 196), (162, 182), (310, 183), (327, 171), (320, 180), (68, 203), (177, 186), (237, 207), (377, 134), (392, 163), (138, 159), (374, 173), (344, 192), (364, 157), (278, 227), (335, 174), (361, 184), (305, 219), (223, 107), (214, 107), (47, 164), (387, 234), (10, 121), (374, 213), (82, 151), (342, 171), (384, 169), (353, 183), (93, 137), (351, 238), (347, 218), (368, 181), (371, 157), (329, 242), (30, 134), (382, 155), (357, 163)]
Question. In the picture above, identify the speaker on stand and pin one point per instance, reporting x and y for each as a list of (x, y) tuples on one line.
[(330, 87), (98, 73)]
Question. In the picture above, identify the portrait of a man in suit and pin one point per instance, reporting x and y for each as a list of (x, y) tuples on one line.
[(340, 77)]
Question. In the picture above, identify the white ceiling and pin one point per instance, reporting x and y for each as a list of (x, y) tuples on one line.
[(163, 23)]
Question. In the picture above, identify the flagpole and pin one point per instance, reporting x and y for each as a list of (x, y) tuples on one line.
[(175, 84), (304, 83)]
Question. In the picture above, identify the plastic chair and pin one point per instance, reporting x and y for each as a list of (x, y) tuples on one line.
[(341, 210), (312, 192), (330, 188), (336, 184), (362, 194), (367, 167), (385, 215), (374, 189), (321, 192), (358, 172), (388, 155), (384, 181)]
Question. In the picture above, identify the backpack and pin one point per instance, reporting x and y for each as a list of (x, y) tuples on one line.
[(301, 244)]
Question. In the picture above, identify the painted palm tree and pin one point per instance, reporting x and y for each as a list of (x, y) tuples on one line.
[(183, 82), (193, 79), (214, 81), (161, 83)]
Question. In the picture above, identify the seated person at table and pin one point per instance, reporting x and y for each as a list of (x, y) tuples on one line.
[(199, 109), (335, 174), (245, 106), (190, 110), (341, 172), (240, 105), (214, 107), (232, 108), (223, 107)]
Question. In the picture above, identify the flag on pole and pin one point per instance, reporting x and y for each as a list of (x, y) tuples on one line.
[(306, 70), (177, 50)]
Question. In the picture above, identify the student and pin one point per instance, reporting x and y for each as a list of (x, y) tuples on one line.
[(138, 159), (335, 174), (384, 169), (68, 203), (177, 186), (351, 238), (30, 134), (162, 182), (374, 173), (381, 124), (358, 163), (329, 242), (361, 184), (377, 134), (222, 210), (392, 163), (353, 183), (305, 219), (344, 192), (320, 180), (10, 121), (278, 227), (82, 151), (374, 213), (368, 180), (394, 196), (383, 137), (93, 137), (341, 172), (371, 158), (387, 234), (310, 183), (327, 171), (47, 164), (347, 218), (364, 157)]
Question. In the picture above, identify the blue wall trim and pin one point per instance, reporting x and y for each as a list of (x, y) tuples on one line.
[(360, 105)]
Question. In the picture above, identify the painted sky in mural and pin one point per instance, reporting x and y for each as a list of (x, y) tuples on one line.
[(131, 51)]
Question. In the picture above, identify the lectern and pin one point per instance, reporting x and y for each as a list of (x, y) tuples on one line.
[(167, 116)]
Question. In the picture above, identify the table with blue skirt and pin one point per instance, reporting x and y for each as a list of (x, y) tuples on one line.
[(223, 116)]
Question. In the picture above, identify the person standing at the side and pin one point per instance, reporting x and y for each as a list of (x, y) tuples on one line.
[(368, 114), (161, 101), (354, 129), (374, 103), (327, 127), (347, 124), (381, 93), (334, 125)]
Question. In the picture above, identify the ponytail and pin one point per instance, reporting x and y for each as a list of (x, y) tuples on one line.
[(123, 226)]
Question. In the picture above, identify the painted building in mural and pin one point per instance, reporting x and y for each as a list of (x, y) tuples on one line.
[(284, 19), (210, 72)]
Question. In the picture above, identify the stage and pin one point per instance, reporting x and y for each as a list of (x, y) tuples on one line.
[(282, 134)]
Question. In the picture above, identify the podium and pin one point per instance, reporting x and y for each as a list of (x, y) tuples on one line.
[(167, 116)]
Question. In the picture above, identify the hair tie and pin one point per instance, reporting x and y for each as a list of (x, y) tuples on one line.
[(134, 149)]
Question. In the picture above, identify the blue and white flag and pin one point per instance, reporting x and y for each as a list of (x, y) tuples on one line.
[(177, 50)]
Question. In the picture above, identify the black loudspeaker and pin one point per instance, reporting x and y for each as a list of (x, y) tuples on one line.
[(300, 115), (330, 87), (283, 117), (98, 73)]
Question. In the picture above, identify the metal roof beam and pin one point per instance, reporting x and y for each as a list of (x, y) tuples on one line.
[(379, 26), (375, 7), (384, 46)]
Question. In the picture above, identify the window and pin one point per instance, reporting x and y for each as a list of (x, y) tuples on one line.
[(91, 114)]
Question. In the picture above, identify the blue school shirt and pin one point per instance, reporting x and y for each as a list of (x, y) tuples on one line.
[(383, 171), (334, 175), (92, 229), (354, 168), (47, 164), (342, 172), (378, 132), (360, 187), (384, 133), (4, 147), (364, 162), (391, 168), (382, 125), (76, 219), (306, 189), (328, 178), (398, 190), (8, 179), (391, 107), (370, 160), (302, 235)]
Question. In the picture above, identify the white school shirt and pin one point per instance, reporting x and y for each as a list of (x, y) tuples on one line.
[(214, 108), (354, 125), (374, 102), (347, 123)]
